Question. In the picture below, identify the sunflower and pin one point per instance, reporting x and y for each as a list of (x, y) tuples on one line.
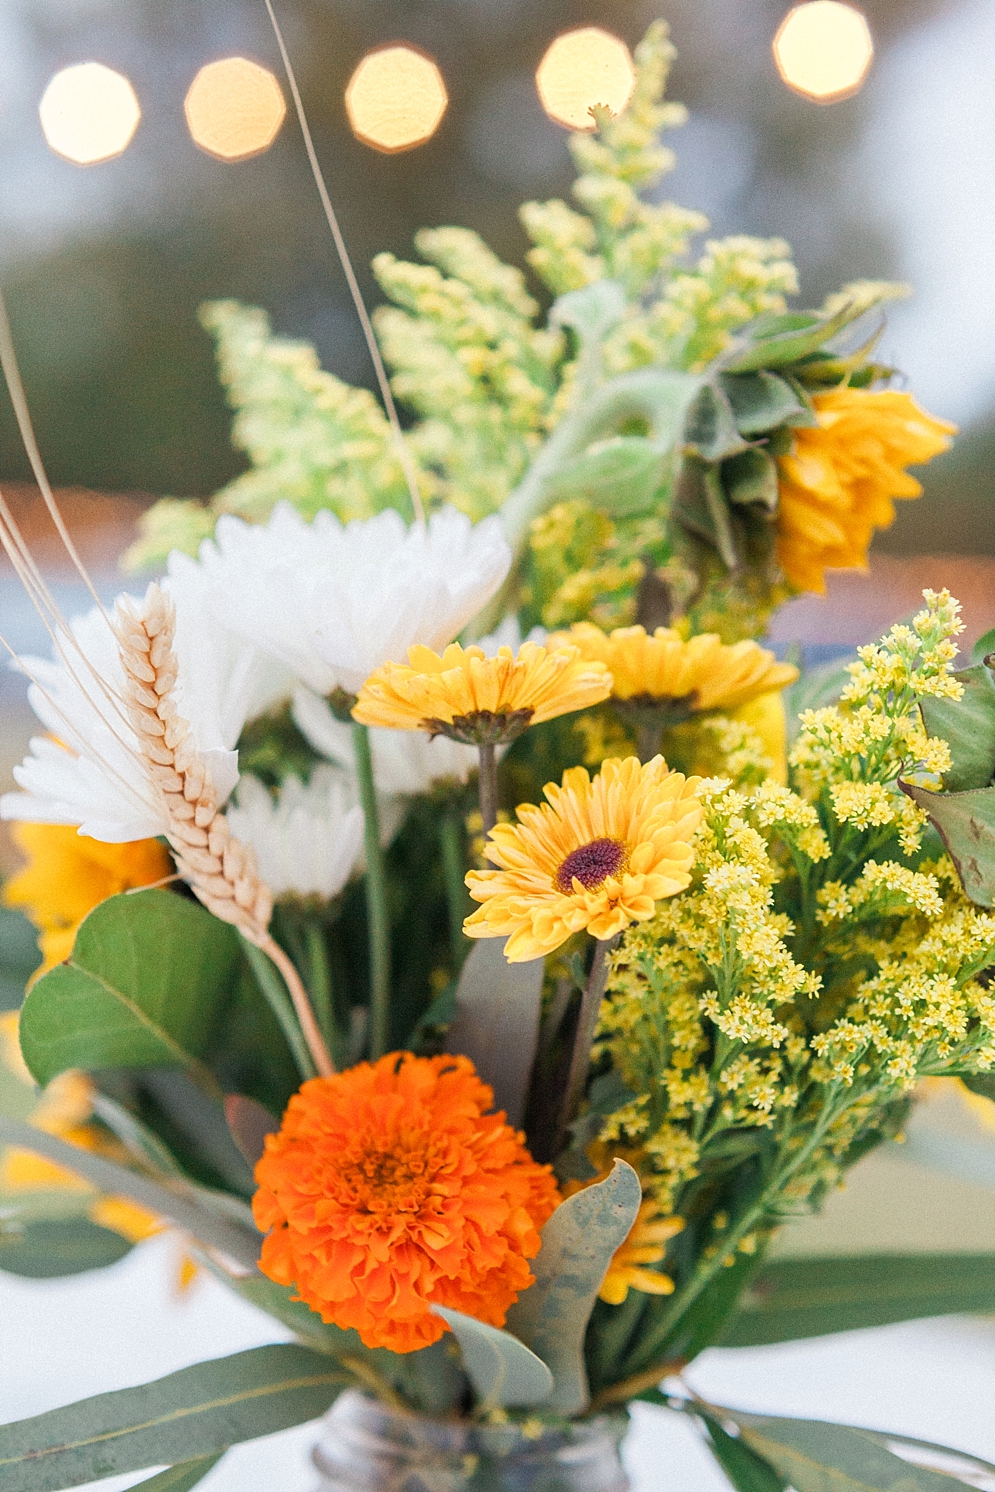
[(837, 485), (390, 1188), (674, 678), (599, 856), (481, 701), (68, 874)]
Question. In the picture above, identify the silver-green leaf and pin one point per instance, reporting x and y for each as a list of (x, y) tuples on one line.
[(504, 1373), (814, 1456), (578, 1242), (497, 1022)]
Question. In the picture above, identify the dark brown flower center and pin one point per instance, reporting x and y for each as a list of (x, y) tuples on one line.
[(591, 864)]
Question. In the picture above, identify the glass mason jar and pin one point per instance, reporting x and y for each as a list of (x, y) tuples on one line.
[(368, 1447)]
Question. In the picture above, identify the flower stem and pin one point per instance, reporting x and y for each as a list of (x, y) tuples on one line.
[(376, 898), (454, 868), (488, 787), (587, 1022)]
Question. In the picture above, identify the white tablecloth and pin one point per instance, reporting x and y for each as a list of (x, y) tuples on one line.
[(65, 1339)]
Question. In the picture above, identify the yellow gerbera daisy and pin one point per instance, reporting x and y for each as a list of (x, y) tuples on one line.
[(478, 700), (599, 856), (68, 874), (672, 678), (837, 485)]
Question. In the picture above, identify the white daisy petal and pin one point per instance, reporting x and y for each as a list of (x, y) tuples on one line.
[(307, 839)]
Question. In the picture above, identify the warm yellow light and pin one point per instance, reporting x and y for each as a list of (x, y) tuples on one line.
[(583, 68), (89, 113), (823, 50), (234, 109), (396, 98)]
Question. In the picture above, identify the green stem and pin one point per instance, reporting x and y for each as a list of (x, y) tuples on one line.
[(320, 982), (454, 869), (488, 787), (277, 999), (376, 898), (587, 1023)]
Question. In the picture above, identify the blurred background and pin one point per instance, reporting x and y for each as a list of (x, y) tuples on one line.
[(104, 266)]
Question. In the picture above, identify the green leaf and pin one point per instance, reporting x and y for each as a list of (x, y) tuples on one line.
[(620, 475), (197, 1412), (249, 1123), (497, 1021), (747, 1471), (984, 647), (578, 1242), (968, 726), (710, 429), (811, 1297), (760, 401), (504, 1373), (591, 312), (179, 1478), (966, 824), (790, 344), (19, 956), (814, 1456), (142, 988), (751, 477), (220, 1221), (54, 1247)]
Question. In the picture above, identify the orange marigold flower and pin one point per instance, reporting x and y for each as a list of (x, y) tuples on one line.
[(837, 485), (68, 874), (389, 1188), (599, 856)]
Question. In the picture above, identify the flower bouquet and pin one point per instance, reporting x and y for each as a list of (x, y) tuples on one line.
[(495, 1108)]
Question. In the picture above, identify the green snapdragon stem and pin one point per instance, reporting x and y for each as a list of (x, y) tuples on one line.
[(376, 897), (453, 870), (587, 1023), (488, 787)]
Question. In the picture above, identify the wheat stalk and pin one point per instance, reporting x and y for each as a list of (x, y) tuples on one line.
[(221, 871)]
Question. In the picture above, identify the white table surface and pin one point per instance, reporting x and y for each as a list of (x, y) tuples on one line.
[(65, 1339)]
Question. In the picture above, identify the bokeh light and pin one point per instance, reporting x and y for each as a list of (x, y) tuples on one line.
[(396, 98), (234, 109), (89, 113), (823, 50), (580, 69)]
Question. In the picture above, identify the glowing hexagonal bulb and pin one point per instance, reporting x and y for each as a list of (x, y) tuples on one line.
[(580, 69), (396, 98), (823, 50), (89, 113), (234, 109)]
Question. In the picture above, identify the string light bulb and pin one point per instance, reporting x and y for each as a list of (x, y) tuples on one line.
[(89, 113), (234, 109), (580, 69), (823, 50), (396, 98)]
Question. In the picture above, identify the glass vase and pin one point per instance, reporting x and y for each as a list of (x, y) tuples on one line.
[(368, 1447)]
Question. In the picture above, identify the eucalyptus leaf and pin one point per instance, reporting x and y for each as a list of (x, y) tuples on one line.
[(984, 647), (810, 1297), (504, 1373), (591, 312), (19, 956), (179, 1478), (578, 1243), (966, 824), (141, 988), (497, 1022), (620, 475), (968, 726), (197, 1412), (51, 1248), (747, 1471), (814, 1456), (218, 1221), (760, 401), (249, 1123)]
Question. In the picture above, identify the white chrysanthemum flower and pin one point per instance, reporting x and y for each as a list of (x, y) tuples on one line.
[(405, 762), (334, 602), (308, 839), (94, 773)]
